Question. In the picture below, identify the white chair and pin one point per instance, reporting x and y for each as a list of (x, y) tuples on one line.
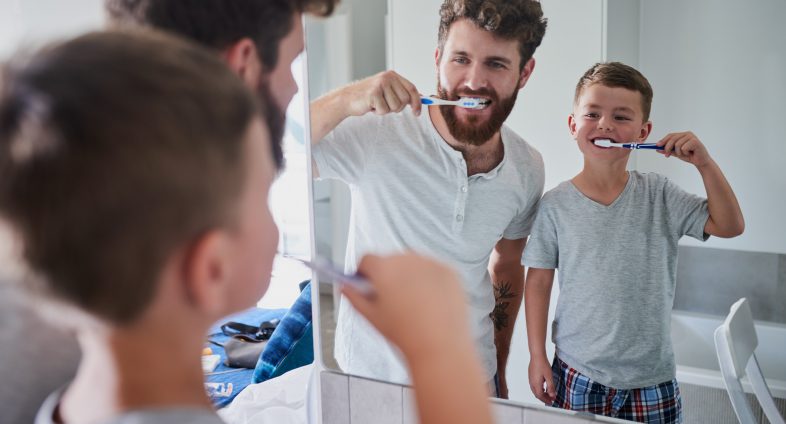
[(735, 342)]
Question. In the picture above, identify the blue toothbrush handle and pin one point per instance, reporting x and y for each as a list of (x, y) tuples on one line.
[(646, 146)]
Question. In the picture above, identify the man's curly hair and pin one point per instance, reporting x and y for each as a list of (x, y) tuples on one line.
[(520, 20)]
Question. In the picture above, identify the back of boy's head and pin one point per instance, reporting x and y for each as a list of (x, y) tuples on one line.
[(117, 149), (616, 74)]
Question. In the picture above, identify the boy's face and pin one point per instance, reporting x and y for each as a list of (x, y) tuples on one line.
[(612, 113), (475, 63), (256, 237)]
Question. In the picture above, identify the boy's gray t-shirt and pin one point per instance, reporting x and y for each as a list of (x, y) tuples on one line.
[(175, 415), (617, 268)]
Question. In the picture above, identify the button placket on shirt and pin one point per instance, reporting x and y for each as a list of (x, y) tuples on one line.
[(462, 191)]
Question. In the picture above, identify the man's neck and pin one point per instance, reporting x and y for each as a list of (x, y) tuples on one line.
[(133, 368), (479, 158)]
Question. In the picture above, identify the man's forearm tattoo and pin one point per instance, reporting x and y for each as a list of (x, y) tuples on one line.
[(499, 316)]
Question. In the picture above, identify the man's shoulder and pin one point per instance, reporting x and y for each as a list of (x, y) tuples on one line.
[(518, 147)]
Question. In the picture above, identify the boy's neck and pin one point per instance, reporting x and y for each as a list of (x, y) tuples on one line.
[(602, 182), (136, 367)]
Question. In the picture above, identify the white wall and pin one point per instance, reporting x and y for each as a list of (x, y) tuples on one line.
[(717, 68), (31, 22)]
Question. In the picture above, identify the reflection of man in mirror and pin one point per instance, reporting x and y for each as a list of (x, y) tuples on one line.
[(258, 40), (451, 182)]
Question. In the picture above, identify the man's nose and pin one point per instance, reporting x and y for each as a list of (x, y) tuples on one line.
[(476, 77)]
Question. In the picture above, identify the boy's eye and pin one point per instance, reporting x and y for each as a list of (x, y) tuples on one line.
[(591, 115), (461, 60), (621, 118)]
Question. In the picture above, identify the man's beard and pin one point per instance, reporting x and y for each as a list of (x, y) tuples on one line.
[(276, 120), (472, 131)]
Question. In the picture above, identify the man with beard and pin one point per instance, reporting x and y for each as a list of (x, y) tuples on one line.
[(258, 40), (453, 183)]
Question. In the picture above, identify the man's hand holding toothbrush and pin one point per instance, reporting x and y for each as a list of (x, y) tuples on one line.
[(383, 93)]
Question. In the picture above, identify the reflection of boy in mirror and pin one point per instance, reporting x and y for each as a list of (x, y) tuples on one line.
[(146, 219), (452, 183), (613, 235), (258, 40)]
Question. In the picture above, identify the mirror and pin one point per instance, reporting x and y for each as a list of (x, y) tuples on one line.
[(726, 86)]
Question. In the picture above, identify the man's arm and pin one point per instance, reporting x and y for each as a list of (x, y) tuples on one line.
[(507, 276), (383, 93)]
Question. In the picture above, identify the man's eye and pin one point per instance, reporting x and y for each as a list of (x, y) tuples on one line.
[(461, 60), (496, 65)]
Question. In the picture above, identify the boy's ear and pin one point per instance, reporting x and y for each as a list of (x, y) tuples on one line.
[(208, 271), (242, 57), (572, 126), (646, 128), (526, 72)]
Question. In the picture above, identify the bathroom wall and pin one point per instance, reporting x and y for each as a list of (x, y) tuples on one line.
[(709, 280), (706, 405)]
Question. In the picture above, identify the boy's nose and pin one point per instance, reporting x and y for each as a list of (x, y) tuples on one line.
[(605, 125)]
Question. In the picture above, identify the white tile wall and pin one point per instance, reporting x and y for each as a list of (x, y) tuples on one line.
[(355, 400), (375, 402)]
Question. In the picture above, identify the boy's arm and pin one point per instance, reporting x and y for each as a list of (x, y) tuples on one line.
[(726, 218), (537, 294), (382, 93), (507, 276)]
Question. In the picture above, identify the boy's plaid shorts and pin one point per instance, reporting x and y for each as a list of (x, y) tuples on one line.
[(654, 404)]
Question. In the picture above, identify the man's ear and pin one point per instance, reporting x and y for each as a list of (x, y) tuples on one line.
[(645, 130), (207, 272), (526, 72), (242, 57)]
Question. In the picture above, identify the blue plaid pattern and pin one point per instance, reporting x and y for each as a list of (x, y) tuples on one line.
[(654, 404), (291, 344)]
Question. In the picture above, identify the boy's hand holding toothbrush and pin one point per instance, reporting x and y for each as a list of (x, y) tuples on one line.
[(685, 146)]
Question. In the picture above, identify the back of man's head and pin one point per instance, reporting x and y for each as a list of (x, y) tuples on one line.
[(117, 149), (220, 23)]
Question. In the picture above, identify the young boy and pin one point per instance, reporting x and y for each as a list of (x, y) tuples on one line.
[(613, 235), (134, 172)]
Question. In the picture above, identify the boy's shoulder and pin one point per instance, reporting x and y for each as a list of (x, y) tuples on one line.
[(561, 193)]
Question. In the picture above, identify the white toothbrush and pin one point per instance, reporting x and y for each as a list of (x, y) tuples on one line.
[(465, 102), (632, 146)]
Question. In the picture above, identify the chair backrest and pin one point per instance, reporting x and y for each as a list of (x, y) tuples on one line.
[(735, 343)]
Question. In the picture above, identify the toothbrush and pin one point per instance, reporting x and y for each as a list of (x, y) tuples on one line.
[(326, 268), (465, 102), (632, 146)]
